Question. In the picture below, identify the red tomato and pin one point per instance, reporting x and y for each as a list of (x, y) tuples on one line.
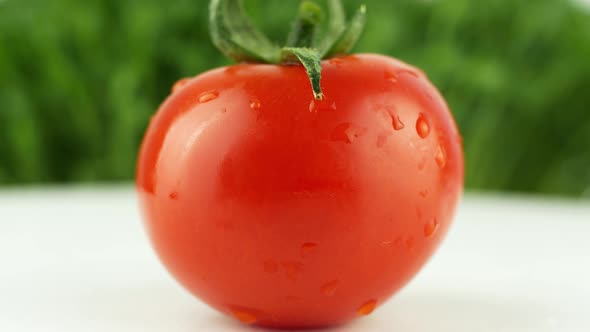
[(285, 211)]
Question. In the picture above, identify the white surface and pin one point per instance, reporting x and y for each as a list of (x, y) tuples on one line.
[(78, 260)]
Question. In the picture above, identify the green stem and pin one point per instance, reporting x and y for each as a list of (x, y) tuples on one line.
[(311, 61), (350, 35), (238, 38), (305, 26)]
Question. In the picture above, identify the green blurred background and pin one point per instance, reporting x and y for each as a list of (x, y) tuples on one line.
[(79, 81)]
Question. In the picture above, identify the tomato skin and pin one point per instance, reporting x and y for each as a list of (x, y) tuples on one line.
[(288, 212)]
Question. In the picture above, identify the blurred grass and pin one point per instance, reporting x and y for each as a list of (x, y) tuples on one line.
[(79, 81)]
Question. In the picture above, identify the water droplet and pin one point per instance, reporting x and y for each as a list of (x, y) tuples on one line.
[(347, 133), (391, 77), (224, 110), (271, 266), (336, 61), (173, 195), (441, 157), (422, 163), (208, 96), (431, 227), (255, 105), (396, 122), (340, 133), (332, 106), (352, 58), (422, 126), (234, 70), (313, 106), (179, 84), (381, 140), (410, 72), (367, 308), (410, 242), (308, 248), (321, 106), (244, 316), (424, 193), (329, 289), (292, 269), (386, 243)]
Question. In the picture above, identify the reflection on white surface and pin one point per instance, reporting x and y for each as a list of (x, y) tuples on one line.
[(79, 261)]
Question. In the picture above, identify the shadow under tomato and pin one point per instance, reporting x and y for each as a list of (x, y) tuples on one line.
[(445, 311), (160, 308)]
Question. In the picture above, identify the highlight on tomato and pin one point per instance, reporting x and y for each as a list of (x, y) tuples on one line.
[(301, 187)]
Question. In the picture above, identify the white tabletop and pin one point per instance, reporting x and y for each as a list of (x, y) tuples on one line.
[(77, 260)]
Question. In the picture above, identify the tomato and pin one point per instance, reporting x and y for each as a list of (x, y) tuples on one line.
[(282, 210)]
